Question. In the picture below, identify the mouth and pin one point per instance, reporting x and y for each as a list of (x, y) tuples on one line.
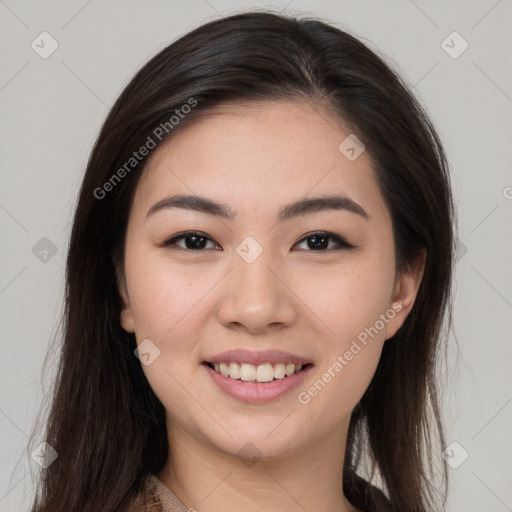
[(259, 374)]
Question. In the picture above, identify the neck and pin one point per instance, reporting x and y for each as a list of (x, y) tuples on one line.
[(208, 479)]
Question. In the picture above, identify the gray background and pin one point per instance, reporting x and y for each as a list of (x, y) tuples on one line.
[(51, 110)]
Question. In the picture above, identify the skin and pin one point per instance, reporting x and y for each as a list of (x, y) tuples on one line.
[(196, 303)]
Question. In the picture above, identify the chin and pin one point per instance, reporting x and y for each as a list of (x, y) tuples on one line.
[(259, 442)]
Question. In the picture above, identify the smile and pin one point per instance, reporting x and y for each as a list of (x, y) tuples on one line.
[(260, 373), (256, 384)]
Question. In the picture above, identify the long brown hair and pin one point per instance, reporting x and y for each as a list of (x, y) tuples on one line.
[(105, 422)]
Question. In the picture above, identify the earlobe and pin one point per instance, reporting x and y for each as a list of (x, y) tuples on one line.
[(405, 292), (407, 285), (126, 320), (126, 317)]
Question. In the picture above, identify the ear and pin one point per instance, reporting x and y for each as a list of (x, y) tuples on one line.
[(405, 291), (126, 317)]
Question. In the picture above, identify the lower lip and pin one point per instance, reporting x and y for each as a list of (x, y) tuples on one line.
[(256, 392)]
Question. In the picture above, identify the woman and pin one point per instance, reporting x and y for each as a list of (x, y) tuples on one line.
[(258, 274)]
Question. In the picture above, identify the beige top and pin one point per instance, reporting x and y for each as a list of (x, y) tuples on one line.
[(157, 497)]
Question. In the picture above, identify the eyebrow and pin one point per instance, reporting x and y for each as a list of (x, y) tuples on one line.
[(292, 210)]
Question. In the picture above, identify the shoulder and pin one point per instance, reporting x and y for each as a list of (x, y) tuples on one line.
[(155, 496), (147, 500)]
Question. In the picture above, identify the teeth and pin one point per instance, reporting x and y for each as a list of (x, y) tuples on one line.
[(279, 371), (264, 373), (247, 371), (290, 369), (235, 372), (224, 369), (261, 373)]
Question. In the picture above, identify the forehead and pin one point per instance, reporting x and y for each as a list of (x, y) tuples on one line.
[(251, 153)]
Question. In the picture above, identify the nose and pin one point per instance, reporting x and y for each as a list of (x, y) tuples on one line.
[(256, 298)]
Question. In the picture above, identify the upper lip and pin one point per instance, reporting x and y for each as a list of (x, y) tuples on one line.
[(256, 357)]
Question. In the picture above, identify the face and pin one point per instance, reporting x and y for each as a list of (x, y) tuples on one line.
[(316, 283)]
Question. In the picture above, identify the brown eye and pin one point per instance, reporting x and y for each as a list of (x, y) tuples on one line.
[(193, 240), (320, 241)]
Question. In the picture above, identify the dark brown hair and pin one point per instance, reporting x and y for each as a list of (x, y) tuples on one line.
[(105, 422)]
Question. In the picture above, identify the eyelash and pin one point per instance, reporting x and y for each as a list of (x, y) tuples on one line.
[(342, 243)]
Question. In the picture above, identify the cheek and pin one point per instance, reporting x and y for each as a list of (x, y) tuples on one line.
[(164, 297), (168, 307), (340, 384), (353, 311), (349, 299)]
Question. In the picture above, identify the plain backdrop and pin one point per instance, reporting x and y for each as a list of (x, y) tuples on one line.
[(51, 110)]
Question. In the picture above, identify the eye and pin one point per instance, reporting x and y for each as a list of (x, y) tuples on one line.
[(320, 241), (193, 240)]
